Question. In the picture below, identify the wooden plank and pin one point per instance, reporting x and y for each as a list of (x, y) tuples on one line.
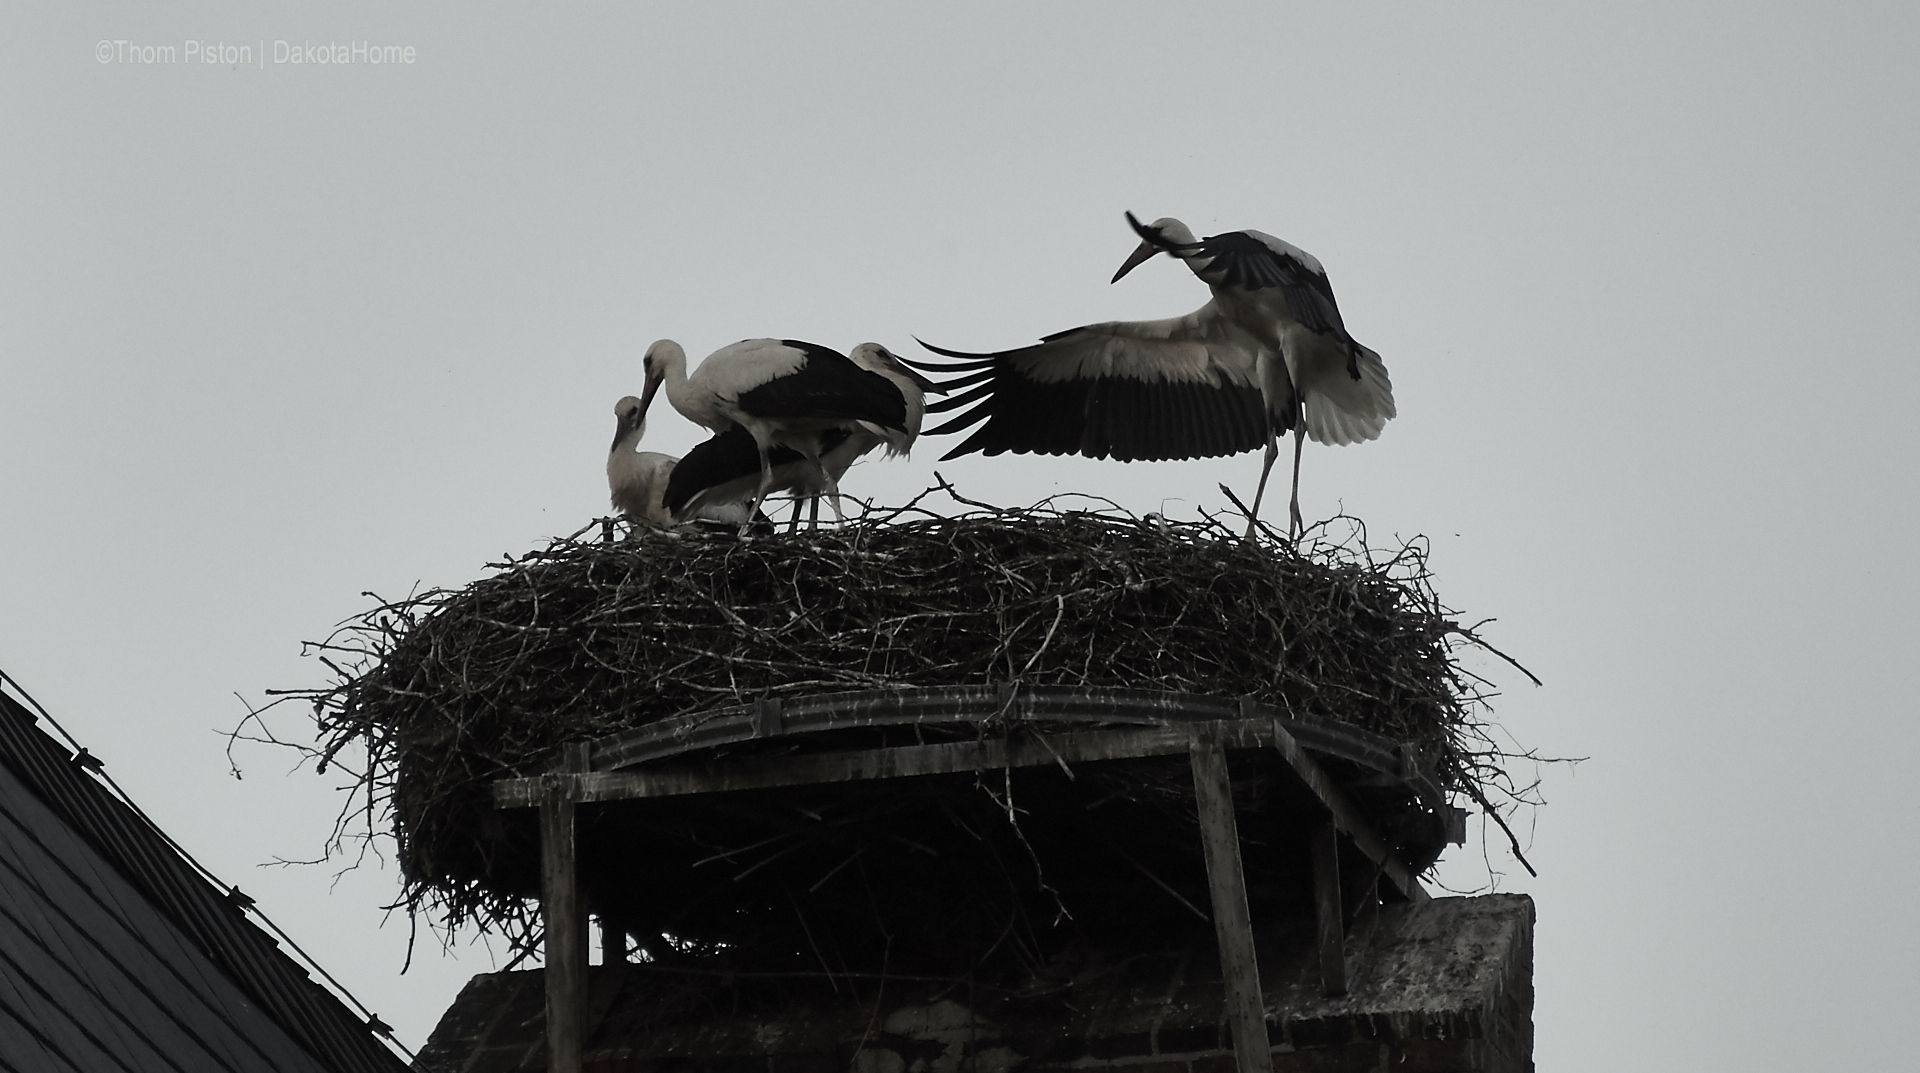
[(566, 926), (1346, 816), (1232, 922), (1328, 910), (973, 705), (874, 708), (897, 762)]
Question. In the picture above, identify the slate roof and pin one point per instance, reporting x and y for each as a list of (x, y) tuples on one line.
[(116, 953)]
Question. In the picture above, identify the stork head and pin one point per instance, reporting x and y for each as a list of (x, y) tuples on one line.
[(664, 354), (630, 419), (1165, 235), (878, 359)]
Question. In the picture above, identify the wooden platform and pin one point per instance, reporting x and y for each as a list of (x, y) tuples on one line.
[(986, 729)]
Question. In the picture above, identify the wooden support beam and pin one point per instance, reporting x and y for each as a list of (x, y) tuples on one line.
[(1232, 922), (897, 762), (1346, 816), (566, 928), (962, 705), (1328, 909)]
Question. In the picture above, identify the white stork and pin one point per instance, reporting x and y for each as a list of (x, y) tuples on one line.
[(782, 392), (722, 475), (837, 458), (640, 482), (726, 468), (637, 479), (1268, 353), (913, 387)]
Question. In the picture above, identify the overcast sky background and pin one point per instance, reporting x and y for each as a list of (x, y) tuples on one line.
[(1644, 275)]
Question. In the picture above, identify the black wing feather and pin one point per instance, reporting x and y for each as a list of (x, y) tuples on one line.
[(828, 386), (725, 457), (1106, 417), (1241, 261)]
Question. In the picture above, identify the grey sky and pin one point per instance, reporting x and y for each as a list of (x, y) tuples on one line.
[(1644, 276)]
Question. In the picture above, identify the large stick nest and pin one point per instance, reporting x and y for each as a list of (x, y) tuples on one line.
[(443, 692)]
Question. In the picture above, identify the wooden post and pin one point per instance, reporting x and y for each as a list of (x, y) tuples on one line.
[(1327, 907), (1232, 922), (566, 970)]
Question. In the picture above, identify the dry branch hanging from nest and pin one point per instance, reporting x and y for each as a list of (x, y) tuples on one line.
[(449, 690)]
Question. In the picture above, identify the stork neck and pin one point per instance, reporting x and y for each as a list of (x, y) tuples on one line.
[(693, 403)]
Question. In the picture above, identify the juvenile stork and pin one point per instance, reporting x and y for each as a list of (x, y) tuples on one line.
[(637, 479), (881, 362), (1267, 354), (726, 469), (641, 482), (782, 392), (718, 478), (837, 458)]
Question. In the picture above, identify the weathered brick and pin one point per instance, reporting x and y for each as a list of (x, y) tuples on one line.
[(1063, 1049), (1422, 1056), (1189, 1040), (1127, 1046), (1424, 1019), (1320, 1032), (1364, 1057)]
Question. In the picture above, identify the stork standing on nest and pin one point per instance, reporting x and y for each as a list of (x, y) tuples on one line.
[(1267, 354), (725, 469), (722, 475), (782, 392)]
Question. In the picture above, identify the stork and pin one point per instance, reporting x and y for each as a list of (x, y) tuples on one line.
[(1267, 354), (782, 392), (641, 482), (723, 475), (637, 479), (725, 468), (837, 458)]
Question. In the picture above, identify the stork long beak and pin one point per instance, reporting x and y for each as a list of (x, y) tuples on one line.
[(1146, 250), (646, 397)]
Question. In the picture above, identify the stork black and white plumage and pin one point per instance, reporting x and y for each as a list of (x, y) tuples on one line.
[(719, 477), (640, 483), (725, 469), (1267, 354), (837, 458), (881, 362), (783, 393)]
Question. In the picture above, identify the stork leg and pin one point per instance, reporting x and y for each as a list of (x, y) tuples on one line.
[(793, 520), (760, 494), (1294, 525), (1273, 452), (813, 512), (833, 490)]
